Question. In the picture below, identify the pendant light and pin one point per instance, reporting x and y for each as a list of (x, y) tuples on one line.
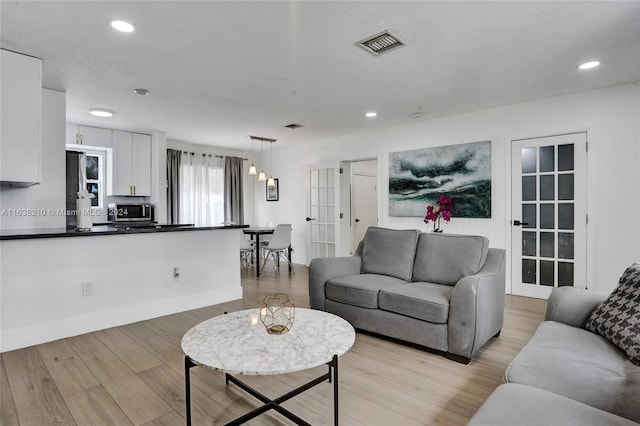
[(252, 168), (271, 182), (262, 176)]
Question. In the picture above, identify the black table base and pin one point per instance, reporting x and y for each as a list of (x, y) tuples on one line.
[(269, 404)]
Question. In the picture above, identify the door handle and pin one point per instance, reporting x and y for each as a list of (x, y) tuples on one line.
[(518, 223), (309, 219), (357, 220)]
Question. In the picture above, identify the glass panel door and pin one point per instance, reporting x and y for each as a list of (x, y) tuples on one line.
[(321, 208), (548, 214)]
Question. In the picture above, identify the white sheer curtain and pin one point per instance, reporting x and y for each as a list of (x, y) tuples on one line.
[(201, 189)]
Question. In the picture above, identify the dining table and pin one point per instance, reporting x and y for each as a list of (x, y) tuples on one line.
[(255, 232)]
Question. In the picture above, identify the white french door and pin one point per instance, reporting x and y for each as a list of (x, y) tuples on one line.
[(364, 206), (548, 214), (322, 211)]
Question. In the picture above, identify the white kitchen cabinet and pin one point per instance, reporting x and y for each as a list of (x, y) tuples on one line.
[(89, 136), (131, 172), (21, 99), (141, 164)]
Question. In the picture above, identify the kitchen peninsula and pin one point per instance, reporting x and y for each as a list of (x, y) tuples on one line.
[(58, 283)]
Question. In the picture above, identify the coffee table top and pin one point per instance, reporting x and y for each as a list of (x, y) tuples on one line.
[(238, 343)]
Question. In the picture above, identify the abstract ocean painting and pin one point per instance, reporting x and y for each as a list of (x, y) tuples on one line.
[(419, 177)]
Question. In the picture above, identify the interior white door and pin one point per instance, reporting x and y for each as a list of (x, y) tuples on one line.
[(549, 214), (322, 211), (364, 206)]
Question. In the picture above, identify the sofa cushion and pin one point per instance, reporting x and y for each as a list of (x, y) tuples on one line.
[(514, 404), (617, 319), (445, 258), (580, 365), (389, 252), (359, 290), (425, 301)]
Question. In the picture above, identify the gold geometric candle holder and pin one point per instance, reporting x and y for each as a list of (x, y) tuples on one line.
[(277, 313)]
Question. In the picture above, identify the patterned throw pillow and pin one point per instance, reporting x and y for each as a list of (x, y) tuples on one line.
[(617, 319)]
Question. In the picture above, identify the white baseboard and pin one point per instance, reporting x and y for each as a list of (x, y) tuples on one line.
[(24, 337)]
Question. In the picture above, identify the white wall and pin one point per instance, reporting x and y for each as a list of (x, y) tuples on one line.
[(47, 198), (249, 183), (610, 116), (41, 294)]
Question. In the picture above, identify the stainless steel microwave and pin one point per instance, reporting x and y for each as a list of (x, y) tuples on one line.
[(130, 212)]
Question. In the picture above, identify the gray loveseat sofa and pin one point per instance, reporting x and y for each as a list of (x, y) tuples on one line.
[(566, 375), (442, 291)]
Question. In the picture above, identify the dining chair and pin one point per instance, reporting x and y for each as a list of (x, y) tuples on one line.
[(265, 238), (278, 247), (246, 252)]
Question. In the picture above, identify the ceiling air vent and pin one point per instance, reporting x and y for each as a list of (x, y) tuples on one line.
[(380, 43), (294, 126)]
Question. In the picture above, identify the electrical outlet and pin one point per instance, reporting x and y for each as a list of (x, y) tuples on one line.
[(87, 288), (176, 274)]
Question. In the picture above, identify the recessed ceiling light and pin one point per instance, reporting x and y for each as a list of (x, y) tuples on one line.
[(101, 112), (122, 26), (588, 65), (141, 91), (371, 114)]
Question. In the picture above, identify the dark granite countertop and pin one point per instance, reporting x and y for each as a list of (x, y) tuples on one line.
[(25, 234)]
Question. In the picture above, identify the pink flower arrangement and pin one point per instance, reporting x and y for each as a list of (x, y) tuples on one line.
[(444, 206)]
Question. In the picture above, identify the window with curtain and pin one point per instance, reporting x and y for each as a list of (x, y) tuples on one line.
[(201, 189)]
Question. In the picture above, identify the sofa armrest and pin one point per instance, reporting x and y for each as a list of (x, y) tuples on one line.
[(323, 269), (572, 306), (476, 309)]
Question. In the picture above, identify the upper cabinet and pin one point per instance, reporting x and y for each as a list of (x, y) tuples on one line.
[(21, 99), (131, 164), (89, 136)]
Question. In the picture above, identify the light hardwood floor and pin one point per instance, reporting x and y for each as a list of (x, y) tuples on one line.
[(134, 374)]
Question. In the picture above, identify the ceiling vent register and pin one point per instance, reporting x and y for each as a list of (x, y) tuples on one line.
[(380, 43)]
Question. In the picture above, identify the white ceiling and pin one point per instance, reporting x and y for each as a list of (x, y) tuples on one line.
[(219, 71)]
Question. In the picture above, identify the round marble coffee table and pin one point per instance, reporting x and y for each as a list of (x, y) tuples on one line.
[(238, 343)]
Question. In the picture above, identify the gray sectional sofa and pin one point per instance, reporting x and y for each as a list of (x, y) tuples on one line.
[(566, 375), (442, 291)]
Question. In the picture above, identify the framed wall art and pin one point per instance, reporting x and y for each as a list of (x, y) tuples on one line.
[(273, 192), (419, 177)]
